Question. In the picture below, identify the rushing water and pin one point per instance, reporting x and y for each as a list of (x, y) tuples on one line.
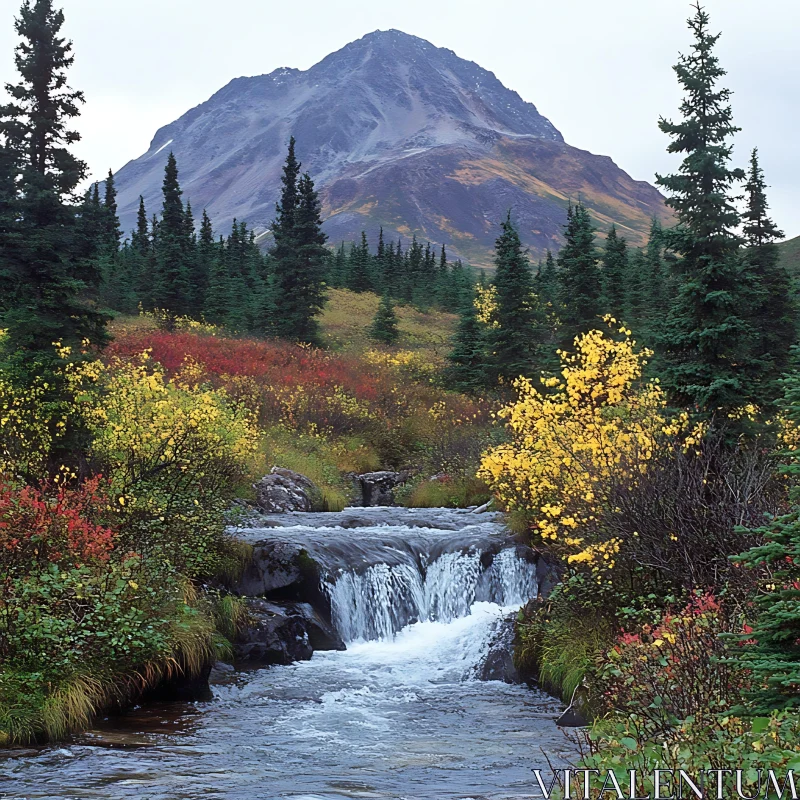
[(399, 714)]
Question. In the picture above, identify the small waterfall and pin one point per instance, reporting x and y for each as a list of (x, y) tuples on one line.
[(381, 600)]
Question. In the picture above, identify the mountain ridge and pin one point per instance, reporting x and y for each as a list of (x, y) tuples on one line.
[(396, 133)]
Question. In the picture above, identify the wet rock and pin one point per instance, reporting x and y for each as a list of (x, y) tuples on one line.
[(277, 566), (181, 687), (578, 713), (546, 576), (321, 634), (499, 662), (283, 490), (273, 636), (221, 673), (377, 488)]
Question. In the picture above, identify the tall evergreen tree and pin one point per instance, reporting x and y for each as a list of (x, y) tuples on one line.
[(615, 272), (547, 281), (112, 234), (172, 289), (579, 277), (467, 368), (515, 343), (775, 312), (634, 308), (312, 258), (360, 273), (285, 250), (707, 339), (140, 238), (50, 289), (202, 264)]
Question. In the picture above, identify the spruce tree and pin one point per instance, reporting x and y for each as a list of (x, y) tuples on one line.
[(312, 258), (360, 272), (285, 250), (112, 235), (172, 290), (579, 277), (706, 341), (206, 252), (339, 273), (140, 238), (547, 281), (50, 289), (384, 325), (770, 650), (218, 298), (380, 263), (515, 343), (467, 368), (635, 304), (615, 272), (774, 313)]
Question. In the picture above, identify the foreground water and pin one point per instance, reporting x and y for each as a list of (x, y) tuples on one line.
[(401, 717)]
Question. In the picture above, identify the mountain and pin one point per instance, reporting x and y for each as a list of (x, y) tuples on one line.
[(395, 132)]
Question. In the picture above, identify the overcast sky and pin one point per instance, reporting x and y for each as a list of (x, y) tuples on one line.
[(600, 71)]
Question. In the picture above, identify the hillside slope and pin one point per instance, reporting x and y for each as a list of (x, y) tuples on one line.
[(790, 256)]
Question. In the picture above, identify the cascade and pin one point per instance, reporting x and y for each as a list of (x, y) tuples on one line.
[(381, 600)]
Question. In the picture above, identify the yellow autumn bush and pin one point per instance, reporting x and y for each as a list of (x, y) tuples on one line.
[(36, 416), (174, 450), (598, 424)]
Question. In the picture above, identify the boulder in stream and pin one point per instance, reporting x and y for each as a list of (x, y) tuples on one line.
[(282, 633), (377, 488), (278, 566), (499, 662), (284, 490), (272, 636)]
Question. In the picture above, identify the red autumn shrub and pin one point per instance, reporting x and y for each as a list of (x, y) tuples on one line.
[(52, 523), (674, 671)]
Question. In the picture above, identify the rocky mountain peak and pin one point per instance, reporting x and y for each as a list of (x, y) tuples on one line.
[(396, 132)]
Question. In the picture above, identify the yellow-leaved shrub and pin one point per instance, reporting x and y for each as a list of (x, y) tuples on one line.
[(175, 450), (598, 424)]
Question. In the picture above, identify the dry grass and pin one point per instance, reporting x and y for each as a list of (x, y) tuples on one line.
[(348, 315)]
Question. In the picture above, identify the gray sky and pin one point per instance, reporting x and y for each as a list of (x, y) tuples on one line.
[(600, 71)]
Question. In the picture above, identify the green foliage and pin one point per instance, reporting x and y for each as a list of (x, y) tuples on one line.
[(774, 315), (707, 338), (579, 277), (384, 326), (771, 650), (48, 280), (514, 342), (467, 368), (461, 491), (560, 642), (729, 743), (615, 270), (300, 256)]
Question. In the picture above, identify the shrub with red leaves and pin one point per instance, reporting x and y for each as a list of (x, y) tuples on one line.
[(675, 670), (53, 523), (309, 390)]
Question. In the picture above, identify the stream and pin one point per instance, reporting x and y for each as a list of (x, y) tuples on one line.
[(420, 599)]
